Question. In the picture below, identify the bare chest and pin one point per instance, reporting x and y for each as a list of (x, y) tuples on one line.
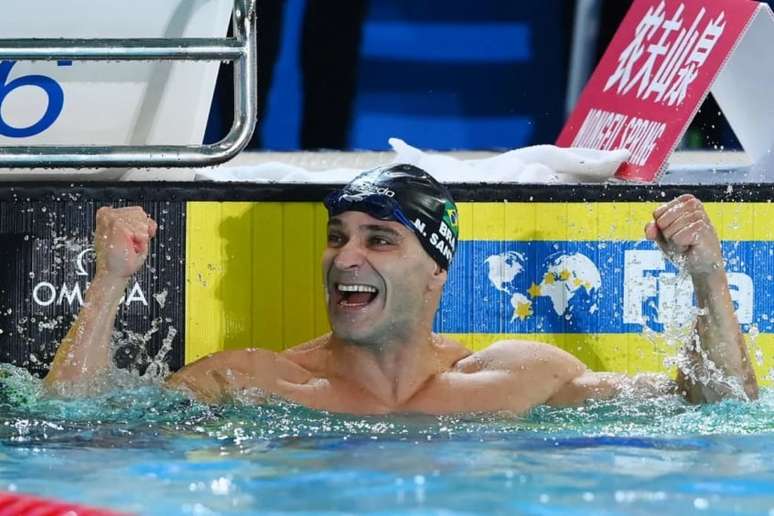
[(445, 394)]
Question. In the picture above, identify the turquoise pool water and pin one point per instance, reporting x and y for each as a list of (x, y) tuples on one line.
[(146, 450)]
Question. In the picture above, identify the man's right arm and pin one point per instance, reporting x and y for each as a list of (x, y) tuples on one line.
[(121, 245)]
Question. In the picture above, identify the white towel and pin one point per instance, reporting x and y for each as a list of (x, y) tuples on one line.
[(537, 164), (276, 172)]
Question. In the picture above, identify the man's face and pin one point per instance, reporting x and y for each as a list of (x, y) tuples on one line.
[(376, 276)]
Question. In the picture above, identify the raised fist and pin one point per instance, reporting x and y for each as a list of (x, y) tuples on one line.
[(682, 228), (121, 240)]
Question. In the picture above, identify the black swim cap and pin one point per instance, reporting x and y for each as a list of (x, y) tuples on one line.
[(406, 194)]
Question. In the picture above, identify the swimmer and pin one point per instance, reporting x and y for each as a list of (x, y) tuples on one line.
[(392, 233)]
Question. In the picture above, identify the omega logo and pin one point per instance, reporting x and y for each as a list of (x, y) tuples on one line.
[(46, 293)]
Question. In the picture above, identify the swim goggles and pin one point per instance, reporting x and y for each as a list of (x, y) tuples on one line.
[(377, 205)]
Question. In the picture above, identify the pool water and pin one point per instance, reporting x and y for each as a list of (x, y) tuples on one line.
[(147, 450)]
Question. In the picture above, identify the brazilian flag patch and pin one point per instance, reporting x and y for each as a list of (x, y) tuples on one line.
[(450, 218)]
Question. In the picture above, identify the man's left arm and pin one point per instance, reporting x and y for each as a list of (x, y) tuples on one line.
[(715, 364)]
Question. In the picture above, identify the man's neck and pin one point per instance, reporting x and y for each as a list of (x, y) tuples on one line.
[(391, 372)]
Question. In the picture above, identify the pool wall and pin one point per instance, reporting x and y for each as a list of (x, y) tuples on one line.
[(47, 263), (561, 264), (576, 274)]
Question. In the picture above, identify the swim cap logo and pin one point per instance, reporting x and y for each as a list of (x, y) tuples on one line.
[(372, 188)]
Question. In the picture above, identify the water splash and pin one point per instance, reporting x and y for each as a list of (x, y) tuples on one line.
[(131, 349), (680, 343), (158, 369), (137, 408)]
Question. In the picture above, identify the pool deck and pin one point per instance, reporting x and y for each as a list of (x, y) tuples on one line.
[(692, 167)]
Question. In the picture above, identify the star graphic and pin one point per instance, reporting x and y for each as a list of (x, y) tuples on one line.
[(564, 275), (534, 290), (523, 310), (549, 278)]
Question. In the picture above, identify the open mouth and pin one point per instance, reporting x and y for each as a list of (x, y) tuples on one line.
[(354, 296)]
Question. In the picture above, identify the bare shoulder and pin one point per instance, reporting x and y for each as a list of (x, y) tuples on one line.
[(241, 359), (312, 355), (215, 376), (522, 355), (450, 351), (310, 346), (508, 375)]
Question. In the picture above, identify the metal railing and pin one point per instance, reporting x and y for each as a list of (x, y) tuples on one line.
[(584, 43), (240, 49)]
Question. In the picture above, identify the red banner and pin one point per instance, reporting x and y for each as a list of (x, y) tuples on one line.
[(653, 78)]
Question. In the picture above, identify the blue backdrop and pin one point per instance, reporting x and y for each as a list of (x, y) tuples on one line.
[(442, 74)]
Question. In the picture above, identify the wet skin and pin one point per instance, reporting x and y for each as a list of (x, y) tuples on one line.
[(381, 357)]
